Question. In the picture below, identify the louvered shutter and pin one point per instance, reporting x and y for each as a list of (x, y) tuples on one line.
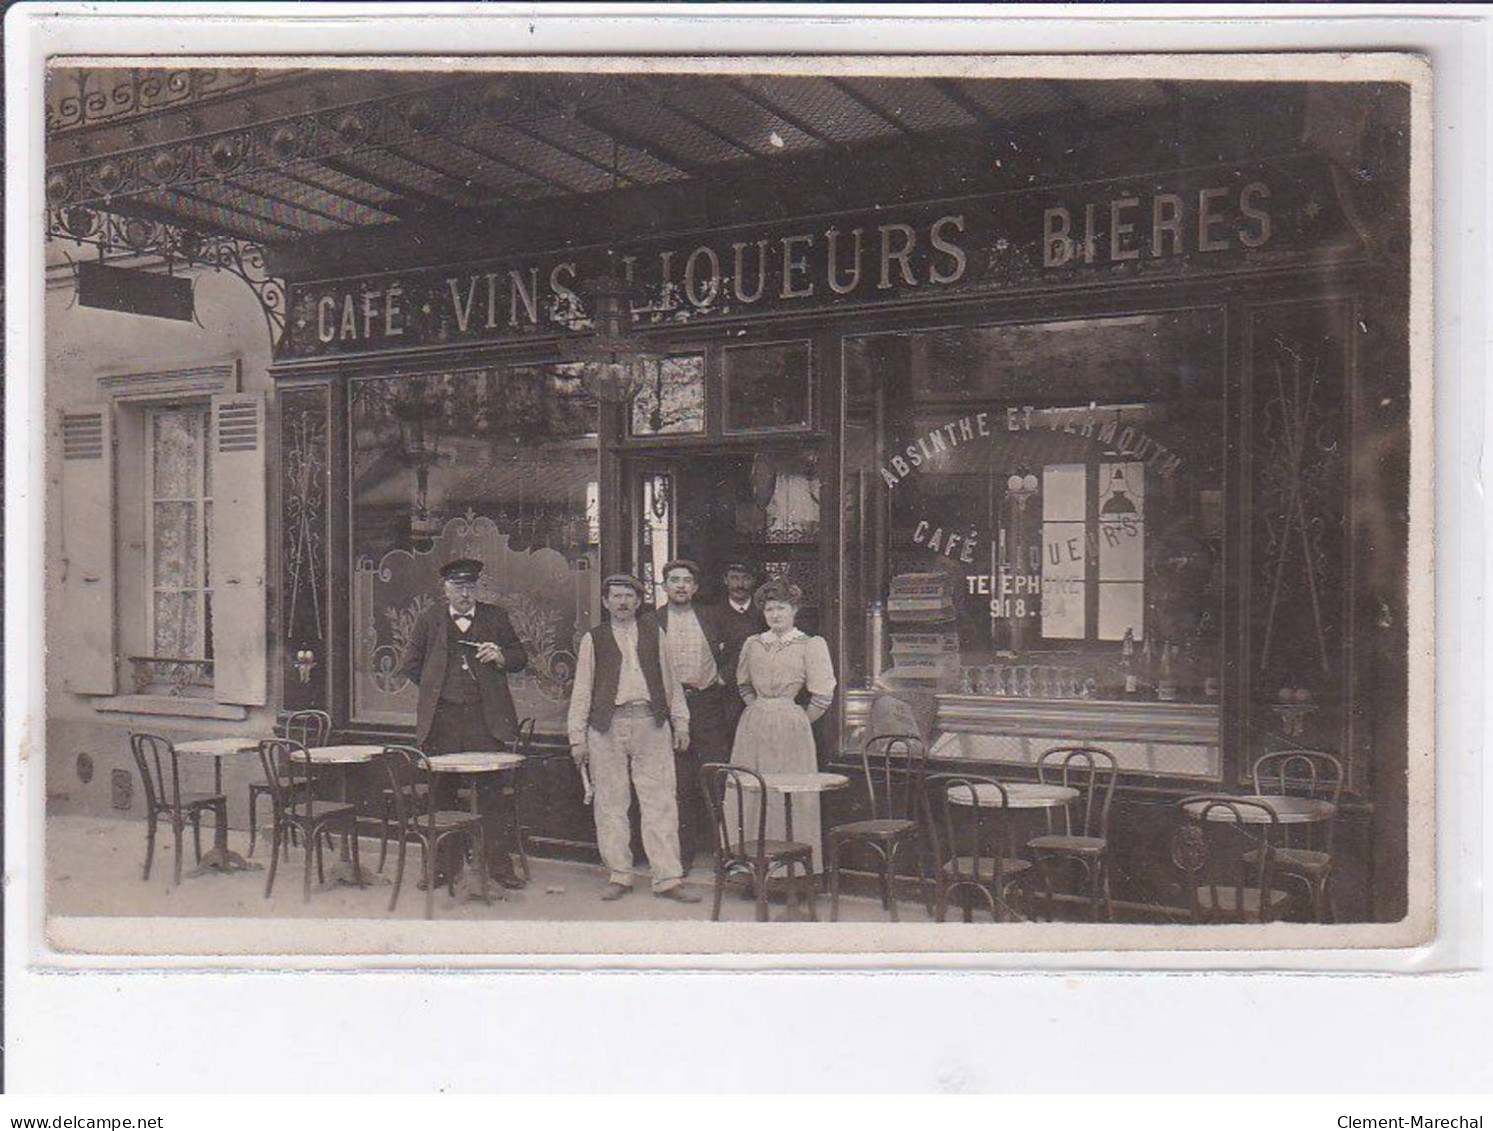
[(236, 559), (85, 595)]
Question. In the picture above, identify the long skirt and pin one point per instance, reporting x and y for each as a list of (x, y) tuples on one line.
[(774, 737)]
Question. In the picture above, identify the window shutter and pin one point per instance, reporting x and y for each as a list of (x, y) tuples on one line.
[(86, 593), (237, 555)]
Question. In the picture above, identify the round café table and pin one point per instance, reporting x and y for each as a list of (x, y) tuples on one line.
[(1022, 795), (220, 857), (790, 785), (473, 762), (340, 760), (1019, 795), (1287, 810)]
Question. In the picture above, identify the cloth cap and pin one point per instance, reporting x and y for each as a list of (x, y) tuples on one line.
[(462, 569), (743, 567), (622, 579)]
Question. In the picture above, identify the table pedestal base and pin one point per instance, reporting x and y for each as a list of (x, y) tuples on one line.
[(218, 859)]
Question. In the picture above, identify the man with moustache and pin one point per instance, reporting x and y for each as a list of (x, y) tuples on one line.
[(740, 619), (695, 639), (625, 700), (460, 653)]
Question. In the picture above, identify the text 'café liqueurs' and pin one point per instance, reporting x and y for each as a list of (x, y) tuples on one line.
[(837, 264)]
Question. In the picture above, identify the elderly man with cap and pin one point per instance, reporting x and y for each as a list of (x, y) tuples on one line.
[(461, 652), (695, 640), (626, 697)]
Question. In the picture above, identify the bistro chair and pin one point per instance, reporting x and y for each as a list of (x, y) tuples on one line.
[(971, 822), (1224, 848), (1083, 837), (731, 792), (523, 745), (416, 815), (310, 729), (1304, 852), (894, 765), (162, 799), (287, 773)]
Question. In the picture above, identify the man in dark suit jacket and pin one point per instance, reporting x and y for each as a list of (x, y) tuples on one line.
[(461, 653), (740, 619)]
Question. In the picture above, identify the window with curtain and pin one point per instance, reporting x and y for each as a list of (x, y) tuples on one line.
[(179, 517)]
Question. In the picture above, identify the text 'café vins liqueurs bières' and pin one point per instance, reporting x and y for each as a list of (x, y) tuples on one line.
[(845, 262)]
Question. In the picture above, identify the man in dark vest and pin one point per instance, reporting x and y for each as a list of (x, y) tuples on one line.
[(461, 652), (626, 697), (696, 644), (740, 619)]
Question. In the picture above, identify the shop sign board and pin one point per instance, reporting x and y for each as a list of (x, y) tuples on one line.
[(1284, 212)]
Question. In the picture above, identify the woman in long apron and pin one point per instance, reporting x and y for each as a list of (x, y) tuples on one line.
[(775, 734)]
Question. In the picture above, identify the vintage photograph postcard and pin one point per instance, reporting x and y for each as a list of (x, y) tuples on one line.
[(791, 506)]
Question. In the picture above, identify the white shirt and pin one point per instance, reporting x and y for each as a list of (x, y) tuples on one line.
[(463, 620), (689, 649), (743, 607), (578, 718)]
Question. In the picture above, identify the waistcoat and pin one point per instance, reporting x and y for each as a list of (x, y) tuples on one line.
[(609, 673)]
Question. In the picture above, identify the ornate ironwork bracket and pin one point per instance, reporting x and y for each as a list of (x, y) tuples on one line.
[(247, 261), (133, 237)]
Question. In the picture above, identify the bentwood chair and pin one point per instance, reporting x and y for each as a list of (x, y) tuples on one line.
[(164, 798), (894, 766), (415, 813), (310, 729), (287, 773), (971, 821), (732, 795), (1224, 849), (1304, 852), (523, 744), (1081, 837)]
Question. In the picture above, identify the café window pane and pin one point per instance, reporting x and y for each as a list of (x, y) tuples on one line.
[(1017, 486), (1121, 606), (1122, 550), (673, 403), (499, 464), (766, 388), (1064, 593)]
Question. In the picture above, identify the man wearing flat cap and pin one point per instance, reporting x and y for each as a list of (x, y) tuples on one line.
[(627, 718), (695, 639), (461, 652)]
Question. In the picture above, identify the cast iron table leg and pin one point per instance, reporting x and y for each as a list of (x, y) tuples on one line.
[(221, 858)]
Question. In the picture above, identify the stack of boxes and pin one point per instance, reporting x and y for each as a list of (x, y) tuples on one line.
[(925, 641)]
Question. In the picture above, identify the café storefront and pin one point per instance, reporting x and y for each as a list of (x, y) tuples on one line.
[(1096, 461)]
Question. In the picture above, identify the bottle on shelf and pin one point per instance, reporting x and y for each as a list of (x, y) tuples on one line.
[(1130, 687), (1166, 673), (1148, 667)]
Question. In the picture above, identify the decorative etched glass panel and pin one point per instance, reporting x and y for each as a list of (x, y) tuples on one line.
[(674, 403), (495, 464), (657, 533)]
